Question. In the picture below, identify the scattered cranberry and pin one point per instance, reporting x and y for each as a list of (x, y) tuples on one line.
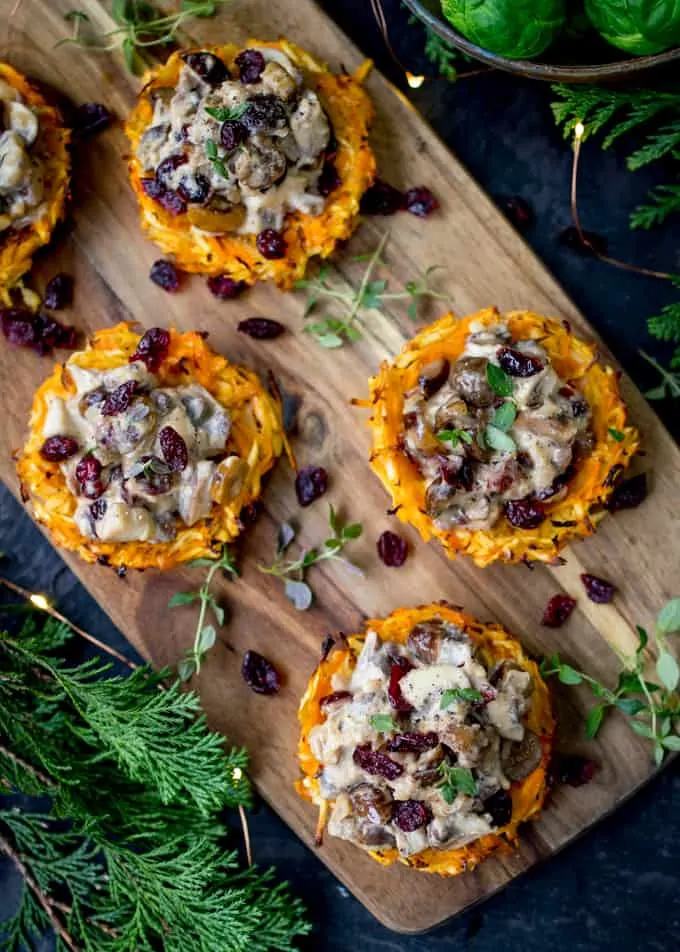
[(517, 211), (224, 287), (557, 485), (392, 549), (517, 364), (97, 509), (271, 244), (232, 134), (90, 118), (59, 292), (412, 742), (376, 763), (499, 806), (171, 201), (265, 114), (329, 180), (558, 609), (598, 590), (89, 477), (524, 513), (210, 68), (251, 64), (119, 399), (398, 668), (153, 348), (165, 275), (165, 169), (590, 244), (56, 449), (261, 328), (569, 768), (310, 483), (329, 699), (194, 188), (628, 494), (410, 815), (259, 674), (420, 201), (41, 332), (461, 477), (381, 198), (174, 449)]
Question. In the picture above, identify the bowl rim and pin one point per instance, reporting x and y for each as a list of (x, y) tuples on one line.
[(537, 70)]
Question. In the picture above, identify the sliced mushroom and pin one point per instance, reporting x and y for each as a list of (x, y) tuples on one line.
[(519, 760), (433, 377), (23, 121), (468, 377), (372, 803)]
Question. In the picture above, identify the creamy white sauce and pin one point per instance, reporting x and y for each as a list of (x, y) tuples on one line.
[(22, 186)]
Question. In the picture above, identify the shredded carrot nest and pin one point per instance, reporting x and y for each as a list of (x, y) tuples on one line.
[(256, 436), (493, 644), (350, 112), (575, 515), (18, 247)]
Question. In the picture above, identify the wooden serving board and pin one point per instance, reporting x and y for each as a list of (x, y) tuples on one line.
[(486, 263)]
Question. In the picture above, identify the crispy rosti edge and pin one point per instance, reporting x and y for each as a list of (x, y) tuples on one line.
[(18, 247), (583, 507), (350, 111), (494, 644), (257, 435)]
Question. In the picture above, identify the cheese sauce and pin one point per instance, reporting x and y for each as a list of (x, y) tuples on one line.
[(22, 186)]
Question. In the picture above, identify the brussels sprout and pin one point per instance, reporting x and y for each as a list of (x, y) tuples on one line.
[(637, 26), (518, 29)]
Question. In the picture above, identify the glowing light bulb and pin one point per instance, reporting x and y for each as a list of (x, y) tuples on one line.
[(579, 129), (40, 602), (237, 774), (415, 82)]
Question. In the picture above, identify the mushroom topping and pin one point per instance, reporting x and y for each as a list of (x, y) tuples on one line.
[(22, 186)]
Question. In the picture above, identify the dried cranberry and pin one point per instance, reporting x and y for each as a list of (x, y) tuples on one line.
[(557, 485), (420, 201), (153, 348), (271, 244), (90, 118), (59, 292), (209, 67), (224, 287), (329, 180), (174, 449), (410, 815), (251, 64), (584, 242), (571, 769), (558, 609), (461, 477), (232, 134), (56, 449), (517, 210), (392, 549), (40, 332), (171, 201), (517, 364), (97, 509), (412, 742), (381, 198), (499, 806), (259, 674), (310, 483), (88, 475), (119, 399), (524, 513), (398, 668), (194, 188), (165, 275), (628, 494), (165, 169), (598, 590), (261, 328), (265, 113), (376, 763), (329, 699)]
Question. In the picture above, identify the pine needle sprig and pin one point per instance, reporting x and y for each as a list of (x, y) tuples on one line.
[(663, 201)]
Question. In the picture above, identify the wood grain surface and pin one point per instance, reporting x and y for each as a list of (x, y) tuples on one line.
[(486, 263)]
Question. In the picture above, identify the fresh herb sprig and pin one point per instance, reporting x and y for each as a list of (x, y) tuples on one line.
[(140, 26), (206, 634), (293, 572), (222, 114), (383, 723), (371, 294), (458, 694), (653, 708), (215, 158), (454, 437), (455, 780)]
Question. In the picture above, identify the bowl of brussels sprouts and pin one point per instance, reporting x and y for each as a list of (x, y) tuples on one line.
[(559, 40)]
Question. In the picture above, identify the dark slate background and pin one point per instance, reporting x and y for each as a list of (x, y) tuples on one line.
[(617, 887)]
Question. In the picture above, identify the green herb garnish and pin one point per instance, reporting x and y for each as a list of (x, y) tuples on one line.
[(454, 436), (456, 780), (504, 416), (616, 434), (383, 723), (458, 694), (496, 439), (222, 114), (216, 160), (498, 380)]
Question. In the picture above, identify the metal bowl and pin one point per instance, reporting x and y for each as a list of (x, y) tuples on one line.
[(554, 72)]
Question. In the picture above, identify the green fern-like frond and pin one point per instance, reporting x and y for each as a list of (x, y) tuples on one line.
[(666, 325), (663, 201)]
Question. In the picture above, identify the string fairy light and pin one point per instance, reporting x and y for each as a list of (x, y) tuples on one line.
[(415, 82)]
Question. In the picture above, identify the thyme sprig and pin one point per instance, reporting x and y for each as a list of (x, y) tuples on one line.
[(653, 708), (455, 780), (206, 634), (293, 571), (140, 26), (371, 294)]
